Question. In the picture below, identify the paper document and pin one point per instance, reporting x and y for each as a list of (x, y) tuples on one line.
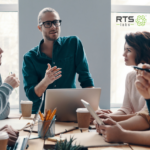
[(89, 139), (15, 123)]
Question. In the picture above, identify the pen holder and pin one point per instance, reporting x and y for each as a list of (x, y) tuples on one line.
[(45, 130)]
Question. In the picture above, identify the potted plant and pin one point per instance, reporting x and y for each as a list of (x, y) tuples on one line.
[(67, 145)]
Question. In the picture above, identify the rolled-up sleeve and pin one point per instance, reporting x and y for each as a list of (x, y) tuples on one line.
[(82, 68), (5, 91)]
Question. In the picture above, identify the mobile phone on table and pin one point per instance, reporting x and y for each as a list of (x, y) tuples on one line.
[(138, 68)]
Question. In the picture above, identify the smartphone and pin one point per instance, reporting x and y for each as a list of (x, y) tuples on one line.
[(92, 112), (147, 70)]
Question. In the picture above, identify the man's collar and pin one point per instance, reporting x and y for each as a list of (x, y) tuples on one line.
[(39, 46), (59, 41)]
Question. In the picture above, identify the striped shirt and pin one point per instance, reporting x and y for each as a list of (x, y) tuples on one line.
[(5, 91)]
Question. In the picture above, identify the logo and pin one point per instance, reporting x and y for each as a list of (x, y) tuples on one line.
[(141, 20), (130, 21), (125, 20)]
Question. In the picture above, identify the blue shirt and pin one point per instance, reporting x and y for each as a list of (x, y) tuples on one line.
[(68, 54)]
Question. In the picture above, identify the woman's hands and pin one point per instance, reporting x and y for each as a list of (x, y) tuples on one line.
[(143, 82), (111, 131), (13, 134), (99, 112)]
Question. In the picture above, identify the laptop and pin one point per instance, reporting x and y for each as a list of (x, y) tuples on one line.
[(68, 100)]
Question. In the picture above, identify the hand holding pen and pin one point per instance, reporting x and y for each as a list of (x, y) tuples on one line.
[(142, 82), (12, 80)]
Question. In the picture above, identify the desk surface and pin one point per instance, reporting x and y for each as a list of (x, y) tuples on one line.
[(39, 144), (36, 144)]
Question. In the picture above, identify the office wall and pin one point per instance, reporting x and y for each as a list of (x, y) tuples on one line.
[(88, 19)]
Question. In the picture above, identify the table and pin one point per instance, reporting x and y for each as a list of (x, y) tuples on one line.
[(39, 144), (127, 147)]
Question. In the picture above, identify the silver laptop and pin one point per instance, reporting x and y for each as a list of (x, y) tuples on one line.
[(68, 100)]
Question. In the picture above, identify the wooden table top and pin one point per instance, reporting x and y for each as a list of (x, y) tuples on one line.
[(38, 144)]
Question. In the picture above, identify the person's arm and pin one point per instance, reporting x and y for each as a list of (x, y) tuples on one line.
[(6, 88), (113, 132), (5, 91), (127, 106), (121, 117), (142, 84), (34, 88), (116, 118), (82, 68), (119, 112), (136, 137), (51, 75)]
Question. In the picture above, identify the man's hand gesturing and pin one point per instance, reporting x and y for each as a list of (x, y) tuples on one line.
[(52, 74)]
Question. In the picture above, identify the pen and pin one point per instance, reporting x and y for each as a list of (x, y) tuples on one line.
[(135, 67), (52, 114), (42, 118), (48, 115)]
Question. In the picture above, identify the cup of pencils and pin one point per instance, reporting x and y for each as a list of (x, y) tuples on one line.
[(46, 125)]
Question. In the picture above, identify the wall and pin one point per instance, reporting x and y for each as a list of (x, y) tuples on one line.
[(88, 19)]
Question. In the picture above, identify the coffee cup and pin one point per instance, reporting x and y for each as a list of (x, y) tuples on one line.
[(26, 108), (3, 140), (83, 118)]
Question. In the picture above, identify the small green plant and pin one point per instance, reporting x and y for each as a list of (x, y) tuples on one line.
[(67, 145)]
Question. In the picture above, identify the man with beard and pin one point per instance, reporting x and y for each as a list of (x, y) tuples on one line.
[(54, 62)]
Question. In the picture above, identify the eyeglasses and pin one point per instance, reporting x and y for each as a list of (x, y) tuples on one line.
[(48, 24)]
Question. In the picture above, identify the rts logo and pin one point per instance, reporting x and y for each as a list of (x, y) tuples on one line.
[(125, 20), (129, 20)]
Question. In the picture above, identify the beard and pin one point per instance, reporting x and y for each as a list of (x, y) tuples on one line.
[(51, 38)]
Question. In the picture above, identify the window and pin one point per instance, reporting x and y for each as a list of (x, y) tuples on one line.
[(130, 2), (8, 1), (118, 31), (9, 43)]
